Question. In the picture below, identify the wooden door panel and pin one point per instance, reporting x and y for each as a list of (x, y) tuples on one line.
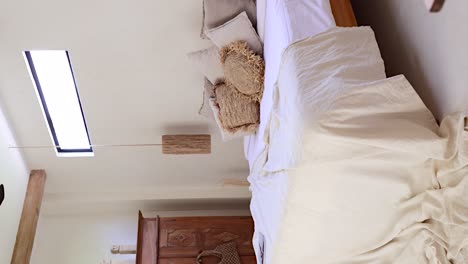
[(182, 238), (186, 237), (179, 240), (214, 237), (190, 252), (205, 222), (209, 237)]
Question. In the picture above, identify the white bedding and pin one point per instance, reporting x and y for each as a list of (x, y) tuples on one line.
[(277, 33), (355, 167), (269, 193), (280, 23)]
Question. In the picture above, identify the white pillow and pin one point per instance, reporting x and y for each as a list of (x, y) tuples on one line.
[(261, 16), (208, 61), (217, 12), (238, 29), (208, 93)]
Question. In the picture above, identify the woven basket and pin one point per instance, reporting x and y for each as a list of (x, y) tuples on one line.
[(226, 252)]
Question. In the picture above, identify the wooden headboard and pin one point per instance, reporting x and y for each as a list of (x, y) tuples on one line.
[(343, 13)]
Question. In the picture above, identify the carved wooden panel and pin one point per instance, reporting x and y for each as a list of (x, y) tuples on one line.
[(186, 237), (181, 238), (178, 240), (218, 236)]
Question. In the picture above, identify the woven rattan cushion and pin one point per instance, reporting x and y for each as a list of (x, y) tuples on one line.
[(243, 69), (235, 114), (235, 109)]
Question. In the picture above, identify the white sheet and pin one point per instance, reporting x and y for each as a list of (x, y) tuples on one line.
[(369, 176), (280, 23)]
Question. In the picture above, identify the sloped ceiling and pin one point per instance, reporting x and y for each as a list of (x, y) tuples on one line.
[(135, 83)]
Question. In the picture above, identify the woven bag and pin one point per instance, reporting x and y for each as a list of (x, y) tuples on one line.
[(226, 252)]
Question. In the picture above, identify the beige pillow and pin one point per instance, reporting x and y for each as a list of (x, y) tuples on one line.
[(261, 10), (243, 69), (208, 61), (237, 29), (208, 93), (218, 12), (236, 114)]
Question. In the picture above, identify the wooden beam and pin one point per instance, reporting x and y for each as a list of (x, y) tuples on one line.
[(29, 217)]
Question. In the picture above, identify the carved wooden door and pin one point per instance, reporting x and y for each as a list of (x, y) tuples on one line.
[(181, 239)]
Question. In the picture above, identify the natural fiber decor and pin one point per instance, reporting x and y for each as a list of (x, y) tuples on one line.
[(186, 144), (243, 69), (237, 115), (227, 253)]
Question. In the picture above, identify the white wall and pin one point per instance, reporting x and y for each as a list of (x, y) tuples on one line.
[(87, 237), (135, 83), (429, 48), (82, 239), (14, 176)]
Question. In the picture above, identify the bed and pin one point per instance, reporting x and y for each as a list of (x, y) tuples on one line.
[(273, 28), (348, 166)]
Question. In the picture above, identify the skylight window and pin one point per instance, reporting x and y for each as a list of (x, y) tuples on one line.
[(52, 75)]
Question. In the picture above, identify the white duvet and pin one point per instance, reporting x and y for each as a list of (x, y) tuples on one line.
[(358, 167)]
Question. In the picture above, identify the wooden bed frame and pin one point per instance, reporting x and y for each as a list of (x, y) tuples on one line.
[(343, 13)]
